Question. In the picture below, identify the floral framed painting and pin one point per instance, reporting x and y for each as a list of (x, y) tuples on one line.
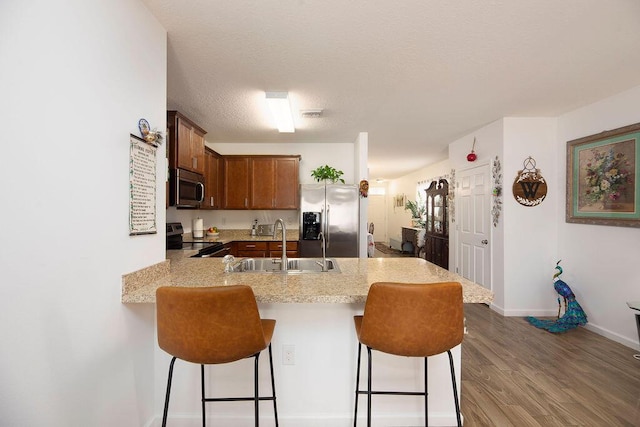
[(603, 187)]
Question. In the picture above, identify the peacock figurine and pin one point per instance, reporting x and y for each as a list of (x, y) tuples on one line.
[(573, 316)]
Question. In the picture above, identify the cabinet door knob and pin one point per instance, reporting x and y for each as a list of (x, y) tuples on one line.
[(485, 242)]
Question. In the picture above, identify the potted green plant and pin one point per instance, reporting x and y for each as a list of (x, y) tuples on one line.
[(417, 212), (327, 173)]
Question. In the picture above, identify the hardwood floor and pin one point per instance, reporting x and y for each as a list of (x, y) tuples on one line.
[(514, 374)]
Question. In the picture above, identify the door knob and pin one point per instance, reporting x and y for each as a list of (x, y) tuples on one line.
[(484, 242)]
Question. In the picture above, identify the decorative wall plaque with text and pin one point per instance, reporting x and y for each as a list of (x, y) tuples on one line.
[(529, 187), (142, 187)]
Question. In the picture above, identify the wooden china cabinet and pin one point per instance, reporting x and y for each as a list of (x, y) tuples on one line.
[(436, 241)]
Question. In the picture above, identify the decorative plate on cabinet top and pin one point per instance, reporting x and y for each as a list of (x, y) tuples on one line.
[(143, 125)]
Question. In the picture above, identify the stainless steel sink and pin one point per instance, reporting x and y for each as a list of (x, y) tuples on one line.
[(274, 265)]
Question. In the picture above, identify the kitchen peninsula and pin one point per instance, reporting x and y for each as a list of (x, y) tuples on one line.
[(351, 285), (314, 314)]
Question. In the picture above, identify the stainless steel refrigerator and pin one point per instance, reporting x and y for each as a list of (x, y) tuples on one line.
[(333, 209)]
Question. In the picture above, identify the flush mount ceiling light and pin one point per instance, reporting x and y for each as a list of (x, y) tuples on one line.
[(281, 110)]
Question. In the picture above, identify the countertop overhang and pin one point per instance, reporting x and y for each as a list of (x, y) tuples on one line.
[(349, 286)]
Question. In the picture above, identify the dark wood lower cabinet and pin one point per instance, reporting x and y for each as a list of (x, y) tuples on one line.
[(410, 235), (252, 249), (275, 249), (436, 250), (261, 249)]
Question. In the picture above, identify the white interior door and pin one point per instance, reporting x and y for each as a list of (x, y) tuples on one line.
[(377, 215), (473, 225)]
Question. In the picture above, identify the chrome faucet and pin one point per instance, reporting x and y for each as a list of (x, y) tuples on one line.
[(284, 266), (324, 250)]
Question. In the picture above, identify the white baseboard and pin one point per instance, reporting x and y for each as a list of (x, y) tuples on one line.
[(534, 313), (612, 336), (552, 313)]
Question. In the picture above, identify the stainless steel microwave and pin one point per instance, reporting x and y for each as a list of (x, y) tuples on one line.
[(186, 189)]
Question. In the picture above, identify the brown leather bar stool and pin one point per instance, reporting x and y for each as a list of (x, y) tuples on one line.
[(213, 325), (415, 320)]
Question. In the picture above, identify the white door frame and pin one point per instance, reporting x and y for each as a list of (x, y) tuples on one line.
[(380, 229)]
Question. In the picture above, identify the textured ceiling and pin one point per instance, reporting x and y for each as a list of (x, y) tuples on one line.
[(415, 75)]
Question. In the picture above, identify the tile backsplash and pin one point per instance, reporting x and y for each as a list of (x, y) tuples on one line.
[(232, 219)]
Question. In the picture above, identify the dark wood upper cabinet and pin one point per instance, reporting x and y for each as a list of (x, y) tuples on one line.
[(186, 143), (286, 177), (214, 180), (236, 182), (261, 182)]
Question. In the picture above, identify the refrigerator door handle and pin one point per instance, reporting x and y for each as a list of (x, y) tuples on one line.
[(322, 219), (328, 222)]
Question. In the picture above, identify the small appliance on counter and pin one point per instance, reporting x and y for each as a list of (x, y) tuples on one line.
[(205, 249), (197, 228), (265, 229)]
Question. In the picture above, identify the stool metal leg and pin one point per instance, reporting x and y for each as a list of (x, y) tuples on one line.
[(204, 422), (369, 392), (256, 399), (455, 388), (355, 412), (273, 386), (166, 399), (369, 387), (426, 394)]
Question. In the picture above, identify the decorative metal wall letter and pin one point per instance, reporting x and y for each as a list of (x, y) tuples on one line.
[(529, 187), (497, 191)]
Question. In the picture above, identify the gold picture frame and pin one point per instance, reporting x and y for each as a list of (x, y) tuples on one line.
[(603, 186)]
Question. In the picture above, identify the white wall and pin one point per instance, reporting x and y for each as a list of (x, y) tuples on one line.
[(397, 217), (361, 150), (600, 262), (530, 242), (75, 78)]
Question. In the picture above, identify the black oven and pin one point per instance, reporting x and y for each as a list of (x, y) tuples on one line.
[(209, 249), (186, 189), (205, 248)]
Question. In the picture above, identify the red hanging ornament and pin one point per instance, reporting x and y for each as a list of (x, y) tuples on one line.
[(471, 157)]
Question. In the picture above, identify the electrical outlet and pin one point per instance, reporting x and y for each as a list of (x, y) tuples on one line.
[(288, 355)]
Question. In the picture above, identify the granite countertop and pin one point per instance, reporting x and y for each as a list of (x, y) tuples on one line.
[(349, 286)]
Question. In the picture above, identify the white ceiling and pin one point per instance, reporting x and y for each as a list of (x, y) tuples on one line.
[(415, 75)]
